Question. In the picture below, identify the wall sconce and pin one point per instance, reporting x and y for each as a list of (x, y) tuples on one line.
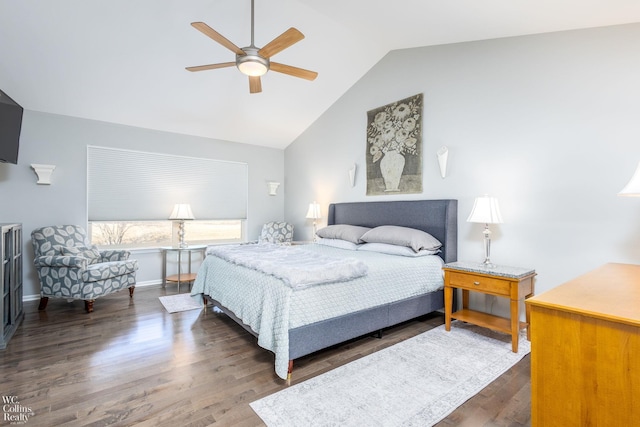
[(352, 175), (633, 186), (443, 155), (44, 173), (273, 188)]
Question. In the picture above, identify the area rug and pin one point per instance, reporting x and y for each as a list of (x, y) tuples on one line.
[(417, 382), (180, 302)]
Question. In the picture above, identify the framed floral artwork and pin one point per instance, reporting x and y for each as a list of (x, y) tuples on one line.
[(394, 148)]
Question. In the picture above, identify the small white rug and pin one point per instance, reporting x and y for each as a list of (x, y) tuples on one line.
[(417, 382), (180, 302)]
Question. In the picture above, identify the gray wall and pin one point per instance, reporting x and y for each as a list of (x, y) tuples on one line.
[(62, 141), (546, 123)]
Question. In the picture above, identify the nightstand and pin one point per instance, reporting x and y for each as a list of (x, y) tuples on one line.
[(509, 282), (181, 277)]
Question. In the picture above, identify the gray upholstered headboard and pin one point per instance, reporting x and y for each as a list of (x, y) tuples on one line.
[(437, 217)]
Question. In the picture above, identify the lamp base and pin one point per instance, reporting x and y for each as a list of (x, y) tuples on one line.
[(183, 244), (487, 247), (488, 264)]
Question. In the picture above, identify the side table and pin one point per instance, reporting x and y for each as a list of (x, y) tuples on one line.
[(511, 282), (180, 277)]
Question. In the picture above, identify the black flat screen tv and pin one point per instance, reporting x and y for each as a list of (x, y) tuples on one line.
[(10, 125)]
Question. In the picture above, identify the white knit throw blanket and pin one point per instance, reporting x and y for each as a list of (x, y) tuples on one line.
[(296, 267)]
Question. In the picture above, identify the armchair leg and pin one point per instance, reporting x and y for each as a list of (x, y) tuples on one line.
[(88, 305), (43, 303), (131, 289)]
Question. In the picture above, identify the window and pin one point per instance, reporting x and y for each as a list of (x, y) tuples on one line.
[(140, 234), (132, 193)]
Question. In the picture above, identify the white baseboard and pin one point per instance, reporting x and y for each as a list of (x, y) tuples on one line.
[(36, 297)]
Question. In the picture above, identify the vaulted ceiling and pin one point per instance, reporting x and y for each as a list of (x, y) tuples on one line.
[(123, 61)]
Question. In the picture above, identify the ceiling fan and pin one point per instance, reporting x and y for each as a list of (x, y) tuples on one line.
[(254, 61)]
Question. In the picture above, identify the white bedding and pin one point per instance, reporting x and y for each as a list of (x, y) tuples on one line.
[(271, 308), (296, 267)]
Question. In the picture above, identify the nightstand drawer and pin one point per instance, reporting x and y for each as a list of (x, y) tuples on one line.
[(479, 283)]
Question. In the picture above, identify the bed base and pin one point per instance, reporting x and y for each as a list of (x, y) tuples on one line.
[(308, 339)]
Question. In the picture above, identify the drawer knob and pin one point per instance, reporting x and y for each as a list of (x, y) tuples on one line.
[(476, 283)]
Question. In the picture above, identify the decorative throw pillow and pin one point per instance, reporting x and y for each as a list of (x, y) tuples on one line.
[(350, 233), (276, 232), (91, 253), (402, 236)]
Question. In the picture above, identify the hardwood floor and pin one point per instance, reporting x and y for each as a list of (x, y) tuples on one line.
[(132, 363)]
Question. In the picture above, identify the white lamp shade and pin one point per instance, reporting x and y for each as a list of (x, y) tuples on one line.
[(314, 211), (182, 211), (485, 210), (633, 187)]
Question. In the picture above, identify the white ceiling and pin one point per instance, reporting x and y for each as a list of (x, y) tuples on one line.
[(122, 61)]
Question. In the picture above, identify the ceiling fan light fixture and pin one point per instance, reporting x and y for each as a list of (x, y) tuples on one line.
[(252, 68), (252, 64)]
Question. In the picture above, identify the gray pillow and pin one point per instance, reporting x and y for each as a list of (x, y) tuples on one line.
[(350, 233), (402, 236)]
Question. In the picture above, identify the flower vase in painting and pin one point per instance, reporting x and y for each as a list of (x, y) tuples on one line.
[(394, 134), (391, 167)]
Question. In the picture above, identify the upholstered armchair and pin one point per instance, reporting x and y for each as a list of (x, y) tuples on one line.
[(70, 267), (276, 232)]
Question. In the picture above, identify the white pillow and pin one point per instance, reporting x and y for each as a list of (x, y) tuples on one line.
[(402, 236), (385, 248), (337, 243)]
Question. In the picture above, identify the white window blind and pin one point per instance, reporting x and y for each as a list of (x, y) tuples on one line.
[(126, 185)]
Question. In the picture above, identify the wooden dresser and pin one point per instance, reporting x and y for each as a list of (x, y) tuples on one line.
[(585, 350)]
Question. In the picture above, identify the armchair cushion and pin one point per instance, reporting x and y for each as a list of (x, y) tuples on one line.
[(108, 270), (92, 254)]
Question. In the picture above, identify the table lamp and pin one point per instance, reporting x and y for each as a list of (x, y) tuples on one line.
[(314, 213), (486, 211), (180, 213)]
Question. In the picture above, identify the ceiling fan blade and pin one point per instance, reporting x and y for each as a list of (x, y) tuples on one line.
[(255, 85), (280, 43), (293, 71), (216, 36), (211, 66)]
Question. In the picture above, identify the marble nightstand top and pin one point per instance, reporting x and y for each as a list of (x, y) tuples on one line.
[(497, 270)]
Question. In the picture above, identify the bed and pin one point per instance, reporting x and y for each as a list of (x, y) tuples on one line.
[(286, 323)]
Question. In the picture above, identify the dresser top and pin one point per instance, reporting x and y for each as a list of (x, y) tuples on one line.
[(610, 292), (496, 270)]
